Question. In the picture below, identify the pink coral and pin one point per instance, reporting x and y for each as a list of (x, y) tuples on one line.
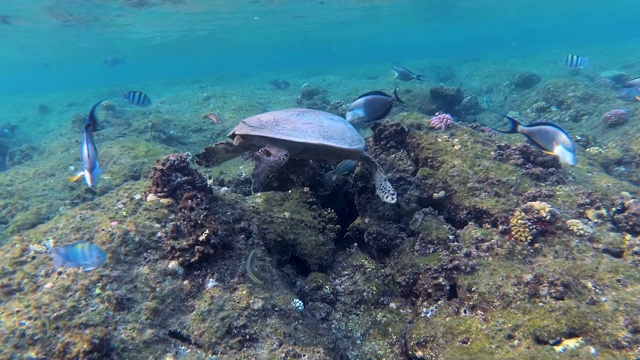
[(441, 120), (615, 117)]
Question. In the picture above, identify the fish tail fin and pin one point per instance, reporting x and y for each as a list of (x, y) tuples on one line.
[(420, 77), (75, 178), (58, 258), (396, 97), (514, 126)]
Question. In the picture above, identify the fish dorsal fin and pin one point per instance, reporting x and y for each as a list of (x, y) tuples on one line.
[(379, 93)]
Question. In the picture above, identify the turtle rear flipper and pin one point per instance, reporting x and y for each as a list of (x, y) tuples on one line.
[(218, 153), (268, 161)]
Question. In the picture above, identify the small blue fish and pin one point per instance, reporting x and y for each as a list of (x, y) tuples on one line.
[(344, 167), (551, 138), (371, 106), (8, 130), (575, 61), (137, 98), (89, 153), (82, 254), (404, 74)]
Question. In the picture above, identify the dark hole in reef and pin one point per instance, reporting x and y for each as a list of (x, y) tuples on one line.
[(452, 291)]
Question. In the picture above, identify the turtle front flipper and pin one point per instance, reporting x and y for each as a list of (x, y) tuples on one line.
[(268, 160), (218, 153), (384, 189)]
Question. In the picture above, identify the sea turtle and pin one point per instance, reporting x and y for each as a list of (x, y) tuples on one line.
[(297, 133)]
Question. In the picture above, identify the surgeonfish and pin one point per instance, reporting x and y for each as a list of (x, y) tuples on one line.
[(631, 94), (82, 254), (405, 74), (137, 98), (344, 167), (575, 61), (633, 83), (551, 138), (371, 106), (89, 154), (92, 119)]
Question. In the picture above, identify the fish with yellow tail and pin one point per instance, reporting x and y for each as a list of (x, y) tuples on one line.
[(551, 138), (89, 151)]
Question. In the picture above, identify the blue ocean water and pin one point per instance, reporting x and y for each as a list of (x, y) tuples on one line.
[(58, 57), (60, 45)]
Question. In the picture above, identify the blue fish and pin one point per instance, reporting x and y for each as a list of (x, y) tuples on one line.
[(629, 94), (89, 153), (550, 138), (8, 130), (92, 119), (82, 254), (137, 98), (371, 106), (575, 61), (404, 74), (344, 167)]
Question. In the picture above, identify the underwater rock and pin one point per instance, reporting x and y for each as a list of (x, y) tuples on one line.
[(536, 164), (446, 98), (43, 109), (308, 91), (470, 105), (280, 84), (628, 217), (524, 80), (312, 97), (295, 229), (173, 177), (22, 154)]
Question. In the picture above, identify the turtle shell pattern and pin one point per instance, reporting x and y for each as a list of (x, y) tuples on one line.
[(304, 126)]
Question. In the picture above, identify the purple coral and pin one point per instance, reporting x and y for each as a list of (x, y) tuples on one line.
[(441, 120), (615, 117)]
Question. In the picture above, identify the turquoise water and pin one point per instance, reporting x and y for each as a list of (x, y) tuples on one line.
[(196, 56), (60, 45)]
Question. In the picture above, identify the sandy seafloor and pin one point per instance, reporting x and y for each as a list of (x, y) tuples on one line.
[(47, 314)]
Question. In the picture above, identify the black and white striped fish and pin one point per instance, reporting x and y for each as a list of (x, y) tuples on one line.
[(137, 98), (575, 61)]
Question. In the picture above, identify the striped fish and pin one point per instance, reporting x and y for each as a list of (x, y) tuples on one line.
[(82, 254), (137, 98), (575, 61)]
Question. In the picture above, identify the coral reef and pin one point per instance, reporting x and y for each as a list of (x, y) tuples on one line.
[(440, 121), (530, 219), (524, 80), (339, 274), (615, 117)]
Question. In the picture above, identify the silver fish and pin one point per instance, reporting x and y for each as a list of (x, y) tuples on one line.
[(404, 74), (551, 138), (89, 153), (371, 106)]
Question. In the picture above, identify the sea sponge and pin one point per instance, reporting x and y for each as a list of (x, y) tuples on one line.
[(529, 219), (579, 228)]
